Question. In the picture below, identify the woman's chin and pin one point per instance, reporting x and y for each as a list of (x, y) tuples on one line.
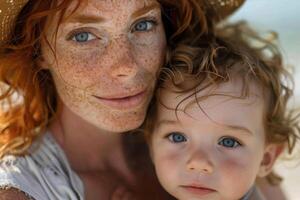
[(122, 123)]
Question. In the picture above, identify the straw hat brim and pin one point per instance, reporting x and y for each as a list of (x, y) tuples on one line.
[(9, 10), (220, 9)]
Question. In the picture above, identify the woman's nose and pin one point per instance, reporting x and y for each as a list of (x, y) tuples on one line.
[(124, 61), (201, 162)]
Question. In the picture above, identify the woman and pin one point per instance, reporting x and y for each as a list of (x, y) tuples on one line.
[(85, 71)]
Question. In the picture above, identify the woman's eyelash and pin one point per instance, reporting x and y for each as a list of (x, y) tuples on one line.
[(151, 20), (74, 33)]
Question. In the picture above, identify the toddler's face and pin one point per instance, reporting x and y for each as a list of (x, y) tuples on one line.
[(216, 147)]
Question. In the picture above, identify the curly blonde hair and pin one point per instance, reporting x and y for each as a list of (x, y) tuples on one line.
[(29, 101), (238, 48)]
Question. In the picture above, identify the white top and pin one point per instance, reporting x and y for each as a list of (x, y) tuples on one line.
[(44, 174)]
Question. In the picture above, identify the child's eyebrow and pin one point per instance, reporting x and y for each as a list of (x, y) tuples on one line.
[(166, 122), (238, 128), (229, 127)]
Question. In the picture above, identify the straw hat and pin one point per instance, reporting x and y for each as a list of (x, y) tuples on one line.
[(223, 8), (9, 10)]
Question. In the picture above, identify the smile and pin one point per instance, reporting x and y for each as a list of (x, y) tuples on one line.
[(123, 101)]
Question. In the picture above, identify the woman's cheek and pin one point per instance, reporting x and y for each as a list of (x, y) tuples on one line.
[(151, 53), (79, 68)]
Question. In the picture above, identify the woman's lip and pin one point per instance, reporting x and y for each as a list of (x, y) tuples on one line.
[(123, 102), (197, 190), (120, 96)]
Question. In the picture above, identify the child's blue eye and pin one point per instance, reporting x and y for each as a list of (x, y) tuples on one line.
[(145, 25), (83, 37), (176, 137), (229, 142)]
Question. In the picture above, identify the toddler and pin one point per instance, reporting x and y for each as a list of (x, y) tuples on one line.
[(213, 130)]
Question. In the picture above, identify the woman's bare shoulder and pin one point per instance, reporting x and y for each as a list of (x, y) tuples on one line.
[(13, 194)]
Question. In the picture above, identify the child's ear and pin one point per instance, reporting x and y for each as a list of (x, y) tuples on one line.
[(272, 151)]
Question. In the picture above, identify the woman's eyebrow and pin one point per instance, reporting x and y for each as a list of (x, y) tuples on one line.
[(85, 18), (88, 18), (146, 9)]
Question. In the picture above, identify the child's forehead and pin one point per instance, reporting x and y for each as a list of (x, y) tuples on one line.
[(233, 89), (214, 106)]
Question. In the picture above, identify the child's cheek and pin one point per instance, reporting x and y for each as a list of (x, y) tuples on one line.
[(168, 161), (237, 174)]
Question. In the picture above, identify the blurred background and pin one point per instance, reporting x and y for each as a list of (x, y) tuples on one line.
[(283, 17)]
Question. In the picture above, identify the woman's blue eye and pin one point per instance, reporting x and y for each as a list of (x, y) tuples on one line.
[(83, 37), (176, 137), (229, 142), (144, 26)]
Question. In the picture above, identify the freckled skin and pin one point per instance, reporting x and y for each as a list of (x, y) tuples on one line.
[(119, 61), (201, 160)]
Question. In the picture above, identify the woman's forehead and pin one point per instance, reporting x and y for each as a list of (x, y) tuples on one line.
[(90, 11), (103, 6), (107, 9)]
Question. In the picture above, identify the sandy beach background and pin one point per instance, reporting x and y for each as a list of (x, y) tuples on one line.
[(282, 16), (290, 171)]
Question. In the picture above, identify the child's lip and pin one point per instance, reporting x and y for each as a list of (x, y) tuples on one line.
[(197, 189)]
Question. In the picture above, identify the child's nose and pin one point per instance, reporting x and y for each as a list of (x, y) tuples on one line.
[(199, 161)]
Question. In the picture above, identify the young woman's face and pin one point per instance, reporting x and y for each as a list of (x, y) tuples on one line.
[(213, 153), (108, 54)]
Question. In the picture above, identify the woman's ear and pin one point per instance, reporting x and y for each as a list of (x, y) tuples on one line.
[(271, 153), (150, 152), (42, 63), (46, 56)]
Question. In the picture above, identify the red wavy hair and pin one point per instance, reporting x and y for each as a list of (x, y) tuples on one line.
[(28, 97)]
